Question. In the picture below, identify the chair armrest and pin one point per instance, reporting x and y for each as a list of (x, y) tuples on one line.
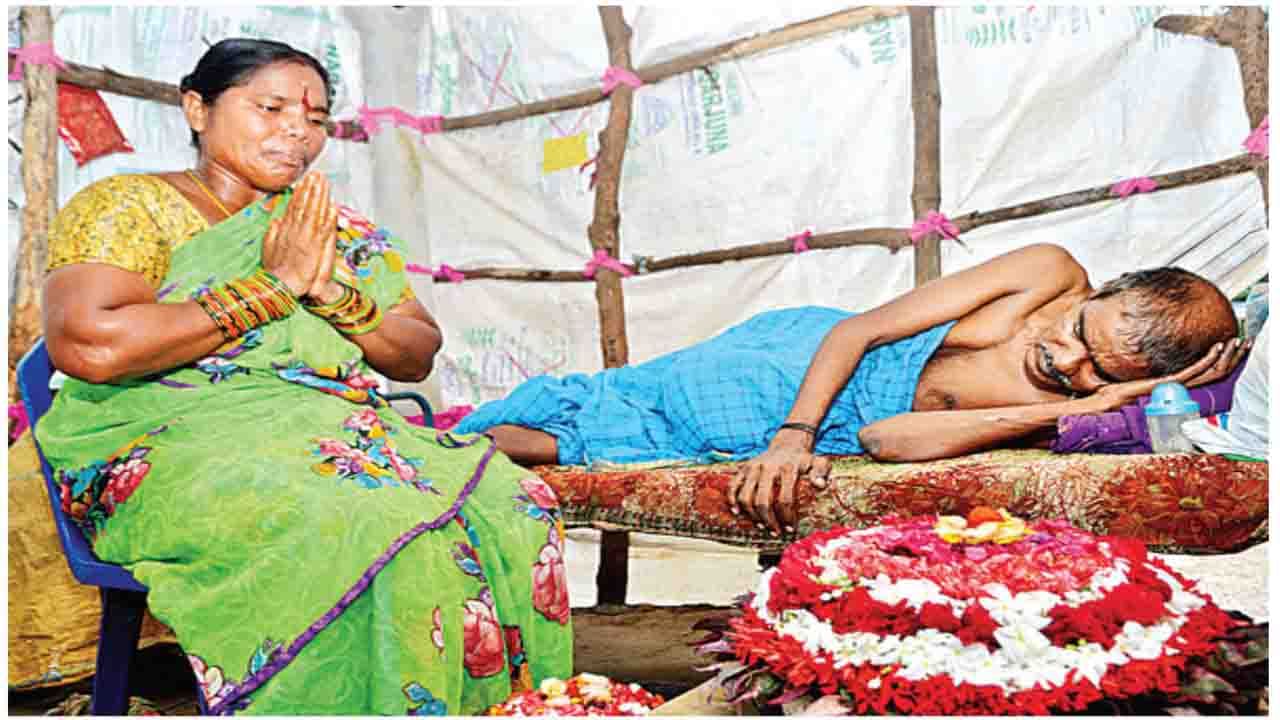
[(425, 406)]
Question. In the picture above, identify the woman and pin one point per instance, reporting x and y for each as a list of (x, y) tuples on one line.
[(222, 436)]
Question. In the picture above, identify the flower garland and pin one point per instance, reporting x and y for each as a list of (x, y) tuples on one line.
[(979, 615), (583, 694)]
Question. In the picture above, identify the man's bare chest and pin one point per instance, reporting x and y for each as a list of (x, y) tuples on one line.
[(974, 378)]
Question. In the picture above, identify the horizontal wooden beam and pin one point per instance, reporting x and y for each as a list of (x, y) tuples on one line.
[(892, 238), (108, 80), (650, 74)]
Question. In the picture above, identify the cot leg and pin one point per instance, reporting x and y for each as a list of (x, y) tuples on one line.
[(118, 640), (611, 577)]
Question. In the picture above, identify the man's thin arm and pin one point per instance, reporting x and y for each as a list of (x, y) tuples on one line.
[(917, 436)]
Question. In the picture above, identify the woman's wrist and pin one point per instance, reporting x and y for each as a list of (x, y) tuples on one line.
[(351, 313), (246, 303)]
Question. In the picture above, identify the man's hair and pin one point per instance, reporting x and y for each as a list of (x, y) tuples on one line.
[(230, 63), (1173, 316)]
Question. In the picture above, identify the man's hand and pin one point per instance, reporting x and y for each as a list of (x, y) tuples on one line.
[(764, 487), (1215, 365)]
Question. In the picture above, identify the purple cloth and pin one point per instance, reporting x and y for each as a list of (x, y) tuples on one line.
[(1124, 431)]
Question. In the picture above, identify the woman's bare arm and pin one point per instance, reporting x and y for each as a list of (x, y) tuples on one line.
[(404, 346), (103, 325)]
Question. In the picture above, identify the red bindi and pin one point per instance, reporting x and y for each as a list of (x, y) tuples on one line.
[(306, 102)]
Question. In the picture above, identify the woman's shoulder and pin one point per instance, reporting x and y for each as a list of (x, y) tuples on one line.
[(122, 190)]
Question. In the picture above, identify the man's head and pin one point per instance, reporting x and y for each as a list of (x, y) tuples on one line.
[(1170, 317)]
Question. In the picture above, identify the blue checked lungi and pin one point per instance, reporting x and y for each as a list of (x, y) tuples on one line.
[(722, 399)]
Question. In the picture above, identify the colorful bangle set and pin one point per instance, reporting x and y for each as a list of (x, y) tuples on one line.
[(354, 313), (244, 304)]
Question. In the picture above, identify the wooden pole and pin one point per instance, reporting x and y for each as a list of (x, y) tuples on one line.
[(891, 238), (743, 47), (926, 106), (40, 185), (1181, 178), (108, 80), (611, 579), (1244, 30)]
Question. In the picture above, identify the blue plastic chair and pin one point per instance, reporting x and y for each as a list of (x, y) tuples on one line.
[(123, 598)]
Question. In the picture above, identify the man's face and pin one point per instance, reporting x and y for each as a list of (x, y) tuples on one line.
[(1086, 349)]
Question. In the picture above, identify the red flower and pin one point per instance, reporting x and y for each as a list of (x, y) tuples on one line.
[(482, 644), (550, 585), (978, 626), (939, 616), (539, 492)]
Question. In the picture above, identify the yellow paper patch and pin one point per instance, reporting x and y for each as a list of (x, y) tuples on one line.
[(565, 152)]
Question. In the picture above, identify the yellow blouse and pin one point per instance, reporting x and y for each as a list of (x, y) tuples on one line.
[(130, 221)]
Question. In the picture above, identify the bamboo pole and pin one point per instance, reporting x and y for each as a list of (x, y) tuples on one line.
[(891, 238), (1244, 30), (108, 80), (611, 578), (926, 106), (1168, 181), (732, 50), (40, 185)]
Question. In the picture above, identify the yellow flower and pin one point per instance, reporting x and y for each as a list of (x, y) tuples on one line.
[(553, 687)]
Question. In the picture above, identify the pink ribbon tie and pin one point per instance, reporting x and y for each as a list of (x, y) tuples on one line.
[(800, 242), (34, 54), (602, 259), (934, 222), (1258, 143), (1125, 188), (444, 272), (371, 120), (615, 76)]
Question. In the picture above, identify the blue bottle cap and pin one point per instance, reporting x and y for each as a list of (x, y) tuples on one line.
[(1171, 398)]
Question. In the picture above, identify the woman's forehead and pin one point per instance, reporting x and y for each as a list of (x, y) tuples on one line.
[(287, 79)]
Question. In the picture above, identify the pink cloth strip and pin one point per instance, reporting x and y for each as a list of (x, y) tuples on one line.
[(444, 272), (615, 76), (1258, 143), (934, 222), (34, 54), (800, 241), (602, 259), (1125, 188), (371, 120)]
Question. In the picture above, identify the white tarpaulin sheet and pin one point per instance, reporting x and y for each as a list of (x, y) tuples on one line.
[(1036, 101)]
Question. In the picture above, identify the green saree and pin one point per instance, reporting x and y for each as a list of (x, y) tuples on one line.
[(312, 551)]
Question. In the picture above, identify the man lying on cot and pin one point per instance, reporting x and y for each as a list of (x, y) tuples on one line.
[(985, 357)]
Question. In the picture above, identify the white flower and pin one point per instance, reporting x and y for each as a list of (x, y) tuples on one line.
[(1091, 660), (1143, 642), (1022, 642), (761, 602), (1027, 608), (855, 648), (1047, 670), (928, 652), (915, 591), (1110, 577), (977, 665)]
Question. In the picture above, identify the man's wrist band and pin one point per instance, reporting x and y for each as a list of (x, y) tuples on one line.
[(802, 427)]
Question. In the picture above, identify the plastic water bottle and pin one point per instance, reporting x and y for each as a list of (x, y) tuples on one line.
[(1170, 406)]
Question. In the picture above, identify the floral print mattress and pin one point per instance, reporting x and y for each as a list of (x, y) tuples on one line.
[(1175, 503)]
